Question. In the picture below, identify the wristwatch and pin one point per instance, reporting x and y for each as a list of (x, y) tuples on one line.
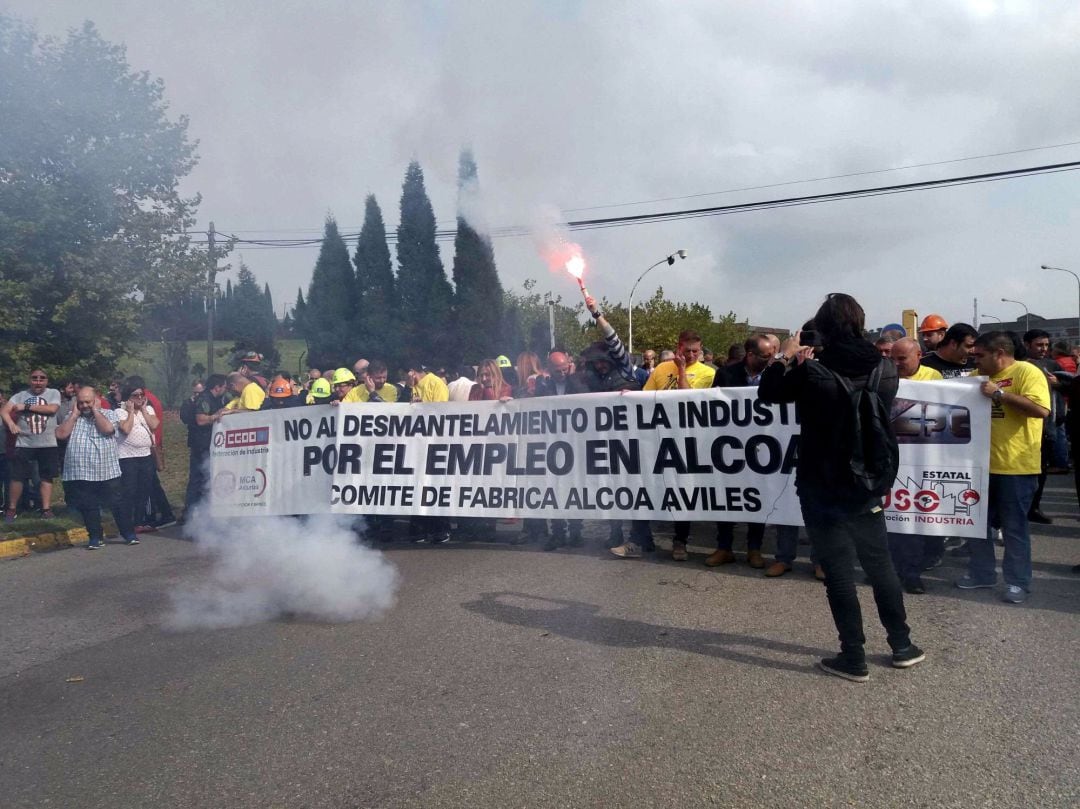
[(781, 356), (997, 396), (596, 315)]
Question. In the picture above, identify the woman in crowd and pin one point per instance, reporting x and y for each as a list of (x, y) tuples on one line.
[(528, 368), (135, 440), (490, 385)]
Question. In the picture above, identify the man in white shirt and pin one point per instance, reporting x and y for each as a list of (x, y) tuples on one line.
[(460, 387)]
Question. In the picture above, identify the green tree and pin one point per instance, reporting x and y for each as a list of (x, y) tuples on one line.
[(658, 321), (331, 303), (92, 225), (426, 295), (251, 329), (299, 312), (478, 295), (378, 312)]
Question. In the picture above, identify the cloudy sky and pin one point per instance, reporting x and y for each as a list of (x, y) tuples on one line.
[(304, 108)]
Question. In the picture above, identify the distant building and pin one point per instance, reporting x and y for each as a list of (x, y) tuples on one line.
[(1059, 328)]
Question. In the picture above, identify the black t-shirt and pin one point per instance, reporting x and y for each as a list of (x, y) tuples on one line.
[(948, 370), (199, 436)]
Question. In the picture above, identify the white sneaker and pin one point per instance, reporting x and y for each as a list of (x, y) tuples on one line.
[(628, 550)]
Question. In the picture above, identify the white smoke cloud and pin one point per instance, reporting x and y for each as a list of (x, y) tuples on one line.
[(268, 567)]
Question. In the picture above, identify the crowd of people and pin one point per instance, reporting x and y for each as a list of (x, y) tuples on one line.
[(107, 449)]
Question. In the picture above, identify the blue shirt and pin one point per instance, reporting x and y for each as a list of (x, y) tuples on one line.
[(91, 455)]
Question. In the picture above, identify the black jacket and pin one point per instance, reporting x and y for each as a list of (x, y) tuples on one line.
[(822, 474), (732, 376)]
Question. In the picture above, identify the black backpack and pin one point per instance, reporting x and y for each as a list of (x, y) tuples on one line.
[(875, 456)]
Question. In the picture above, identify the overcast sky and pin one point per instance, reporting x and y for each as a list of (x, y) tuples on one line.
[(304, 108)]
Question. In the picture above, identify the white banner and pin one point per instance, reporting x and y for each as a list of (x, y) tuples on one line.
[(712, 455)]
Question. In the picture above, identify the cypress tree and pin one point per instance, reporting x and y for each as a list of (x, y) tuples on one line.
[(426, 295), (378, 312), (478, 300), (331, 302), (298, 311), (252, 331)]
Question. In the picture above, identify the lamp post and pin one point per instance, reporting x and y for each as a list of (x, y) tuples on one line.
[(1027, 314), (992, 317), (1077, 277), (669, 260)]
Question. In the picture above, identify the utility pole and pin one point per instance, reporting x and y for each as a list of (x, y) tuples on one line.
[(210, 301)]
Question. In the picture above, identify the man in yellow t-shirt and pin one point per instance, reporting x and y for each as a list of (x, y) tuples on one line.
[(375, 387), (1020, 399), (249, 394), (426, 386), (686, 370), (905, 353)]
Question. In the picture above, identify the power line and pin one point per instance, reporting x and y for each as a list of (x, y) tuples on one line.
[(694, 213), (762, 187)]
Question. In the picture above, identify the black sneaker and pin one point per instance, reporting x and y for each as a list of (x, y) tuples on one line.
[(840, 666), (915, 586), (132, 541), (930, 564), (906, 658)]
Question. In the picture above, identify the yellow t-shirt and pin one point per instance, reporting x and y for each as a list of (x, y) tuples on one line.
[(926, 374), (251, 398), (388, 393), (1016, 439), (666, 376), (431, 389)]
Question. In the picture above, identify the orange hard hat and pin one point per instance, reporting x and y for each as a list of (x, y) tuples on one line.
[(933, 323), (280, 388)]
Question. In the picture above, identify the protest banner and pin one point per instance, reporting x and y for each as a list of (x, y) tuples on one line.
[(709, 455)]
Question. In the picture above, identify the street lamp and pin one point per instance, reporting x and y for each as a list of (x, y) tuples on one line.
[(1027, 314), (669, 260), (1077, 277), (992, 317)]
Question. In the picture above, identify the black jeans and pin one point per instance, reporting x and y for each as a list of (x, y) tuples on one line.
[(196, 482), (90, 496), (135, 480), (838, 539)]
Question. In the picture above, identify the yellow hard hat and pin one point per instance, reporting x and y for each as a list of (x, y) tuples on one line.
[(502, 361), (343, 375), (320, 389)]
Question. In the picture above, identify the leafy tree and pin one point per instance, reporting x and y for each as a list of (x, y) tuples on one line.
[(377, 313), (331, 303), (426, 295), (658, 321), (252, 329), (92, 225), (478, 299)]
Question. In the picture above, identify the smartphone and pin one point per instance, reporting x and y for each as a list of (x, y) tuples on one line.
[(809, 338)]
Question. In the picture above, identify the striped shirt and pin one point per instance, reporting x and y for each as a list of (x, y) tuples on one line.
[(91, 455)]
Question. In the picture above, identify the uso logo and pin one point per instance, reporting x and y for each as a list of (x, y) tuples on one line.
[(249, 437)]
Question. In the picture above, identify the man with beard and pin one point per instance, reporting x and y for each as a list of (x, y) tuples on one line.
[(30, 416), (952, 356), (844, 519), (1020, 403), (92, 467)]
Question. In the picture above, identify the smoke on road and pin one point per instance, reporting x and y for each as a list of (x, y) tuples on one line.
[(268, 567)]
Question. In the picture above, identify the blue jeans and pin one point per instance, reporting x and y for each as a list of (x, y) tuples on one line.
[(787, 545), (1009, 501)]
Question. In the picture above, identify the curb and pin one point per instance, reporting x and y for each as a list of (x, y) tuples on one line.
[(37, 543)]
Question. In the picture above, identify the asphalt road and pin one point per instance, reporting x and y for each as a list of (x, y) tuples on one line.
[(510, 677)]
